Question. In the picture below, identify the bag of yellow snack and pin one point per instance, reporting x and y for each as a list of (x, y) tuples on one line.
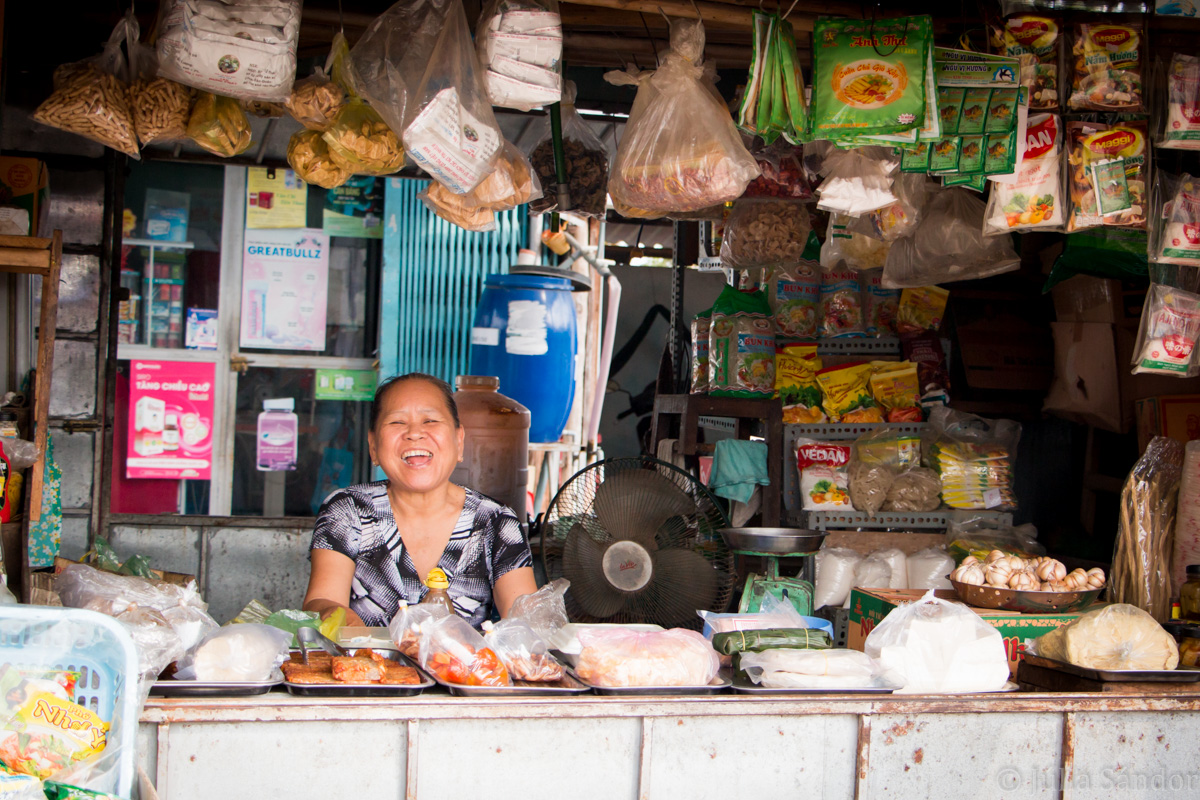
[(308, 154), (219, 125), (48, 734), (361, 142), (796, 368), (897, 391), (846, 393), (921, 309)]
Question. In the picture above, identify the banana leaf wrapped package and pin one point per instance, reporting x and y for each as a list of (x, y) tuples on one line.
[(732, 642)]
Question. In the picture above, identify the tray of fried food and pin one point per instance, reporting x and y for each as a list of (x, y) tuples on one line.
[(361, 673)]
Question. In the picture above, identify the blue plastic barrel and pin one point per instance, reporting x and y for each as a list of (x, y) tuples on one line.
[(525, 334)]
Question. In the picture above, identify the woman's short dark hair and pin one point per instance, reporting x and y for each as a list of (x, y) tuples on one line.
[(438, 383)]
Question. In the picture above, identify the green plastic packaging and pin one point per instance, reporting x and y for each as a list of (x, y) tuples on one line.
[(741, 349), (1103, 252), (773, 103), (756, 641)]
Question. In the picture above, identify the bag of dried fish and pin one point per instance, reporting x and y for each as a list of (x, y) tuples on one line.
[(765, 233), (90, 97), (309, 155), (361, 142), (586, 161), (219, 125)]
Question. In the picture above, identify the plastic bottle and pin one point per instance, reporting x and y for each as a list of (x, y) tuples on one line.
[(171, 433), (8, 425), (496, 448), (437, 583)]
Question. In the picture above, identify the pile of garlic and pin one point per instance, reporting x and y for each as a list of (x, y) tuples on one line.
[(1039, 574)]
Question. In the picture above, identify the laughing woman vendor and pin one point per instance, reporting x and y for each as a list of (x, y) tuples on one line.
[(374, 542)]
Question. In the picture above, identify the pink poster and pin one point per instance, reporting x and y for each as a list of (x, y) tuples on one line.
[(170, 419), (285, 287)]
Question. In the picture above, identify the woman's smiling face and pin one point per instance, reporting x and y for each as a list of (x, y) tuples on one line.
[(415, 440)]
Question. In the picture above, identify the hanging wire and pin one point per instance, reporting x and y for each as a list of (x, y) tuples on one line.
[(649, 36), (871, 34), (790, 8)]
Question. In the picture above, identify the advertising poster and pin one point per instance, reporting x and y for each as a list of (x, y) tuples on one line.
[(285, 289), (346, 384), (355, 208), (170, 419), (275, 198)]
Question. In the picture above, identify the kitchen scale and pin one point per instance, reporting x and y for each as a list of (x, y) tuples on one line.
[(772, 544)]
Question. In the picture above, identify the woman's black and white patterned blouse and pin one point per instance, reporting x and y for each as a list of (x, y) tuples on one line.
[(357, 522)]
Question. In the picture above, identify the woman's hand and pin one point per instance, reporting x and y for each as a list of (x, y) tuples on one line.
[(510, 586)]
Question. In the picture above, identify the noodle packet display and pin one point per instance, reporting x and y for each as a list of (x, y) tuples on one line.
[(680, 151), (841, 303), (1108, 65), (796, 368), (869, 76), (1176, 238), (974, 457), (795, 294), (1167, 335), (897, 390), (1037, 42), (700, 329), (1034, 200), (773, 103), (846, 393), (824, 475), (881, 303), (741, 350), (921, 309), (1181, 122), (1108, 167)]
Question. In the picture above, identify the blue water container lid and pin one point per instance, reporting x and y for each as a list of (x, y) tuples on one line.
[(528, 282)]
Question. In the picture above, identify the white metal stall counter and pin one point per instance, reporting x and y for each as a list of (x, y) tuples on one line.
[(1022, 745)]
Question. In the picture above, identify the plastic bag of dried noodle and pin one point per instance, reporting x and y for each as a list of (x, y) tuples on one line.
[(309, 155), (219, 125)]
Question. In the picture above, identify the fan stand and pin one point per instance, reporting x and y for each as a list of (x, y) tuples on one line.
[(796, 591)]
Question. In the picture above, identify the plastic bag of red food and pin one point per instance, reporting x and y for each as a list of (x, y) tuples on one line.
[(624, 657), (454, 652), (408, 625), (522, 651), (782, 173), (680, 150)]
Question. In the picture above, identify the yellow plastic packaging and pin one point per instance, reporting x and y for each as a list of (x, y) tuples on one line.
[(921, 309), (48, 734), (219, 125), (846, 393), (898, 392), (309, 155), (330, 626), (361, 142), (796, 368)]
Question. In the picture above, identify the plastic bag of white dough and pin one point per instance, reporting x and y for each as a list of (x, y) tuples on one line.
[(835, 576), (928, 568), (247, 652), (937, 646), (811, 669), (948, 245), (898, 563), (873, 572)]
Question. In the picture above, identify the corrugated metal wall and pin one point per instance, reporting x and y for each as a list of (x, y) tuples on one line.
[(433, 275)]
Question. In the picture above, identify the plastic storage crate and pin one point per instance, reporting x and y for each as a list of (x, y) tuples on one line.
[(96, 646)]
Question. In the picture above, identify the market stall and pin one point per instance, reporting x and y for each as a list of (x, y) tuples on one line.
[(821, 572)]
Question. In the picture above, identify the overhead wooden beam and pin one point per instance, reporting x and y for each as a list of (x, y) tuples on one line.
[(722, 14)]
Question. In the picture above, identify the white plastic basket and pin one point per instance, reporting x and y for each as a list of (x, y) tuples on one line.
[(96, 646)]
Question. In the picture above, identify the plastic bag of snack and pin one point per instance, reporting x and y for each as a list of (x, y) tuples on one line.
[(160, 106), (701, 325), (624, 657), (219, 125), (846, 393), (741, 350), (881, 304), (452, 133), (856, 250), (762, 233), (914, 490), (1108, 64), (454, 652), (1181, 123), (1034, 200), (1037, 42), (91, 99), (1175, 237), (796, 368), (897, 390), (898, 219), (680, 150), (1168, 333), (824, 475), (409, 624), (308, 154), (523, 652), (544, 610), (315, 101), (841, 302), (586, 161), (795, 293), (858, 181), (773, 102), (360, 142), (1108, 167), (782, 174), (949, 245), (510, 184), (924, 349), (921, 309), (974, 458), (519, 43), (453, 209)]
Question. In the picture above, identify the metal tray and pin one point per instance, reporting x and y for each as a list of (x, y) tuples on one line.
[(742, 685), (365, 689), (569, 685), (173, 688), (773, 541), (1184, 675), (719, 684)]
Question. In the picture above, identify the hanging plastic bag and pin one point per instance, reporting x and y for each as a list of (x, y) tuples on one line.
[(1168, 333), (361, 143), (454, 652), (773, 102), (1108, 167), (520, 46), (1180, 128), (938, 646), (857, 250), (522, 651), (624, 657), (219, 125), (1035, 200), (1175, 236), (858, 181), (91, 98), (782, 174), (315, 101), (453, 134), (765, 233), (974, 457), (1037, 42), (680, 151), (1108, 65), (308, 154), (741, 350), (160, 106), (511, 183), (899, 219), (544, 610), (949, 245), (586, 161)]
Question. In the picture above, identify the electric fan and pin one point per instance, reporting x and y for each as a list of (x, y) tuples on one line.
[(638, 540)]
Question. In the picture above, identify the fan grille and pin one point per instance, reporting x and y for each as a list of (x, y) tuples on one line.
[(657, 505)]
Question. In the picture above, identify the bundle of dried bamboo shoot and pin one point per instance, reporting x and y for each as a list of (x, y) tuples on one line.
[(1141, 568)]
